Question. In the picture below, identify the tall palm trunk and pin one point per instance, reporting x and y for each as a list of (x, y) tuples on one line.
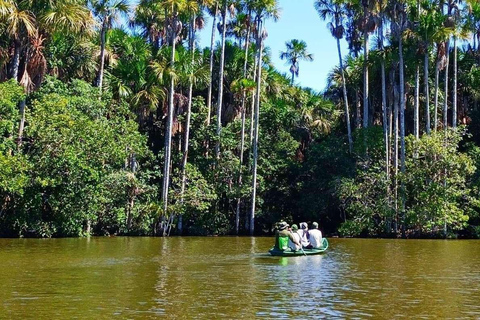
[(417, 88), (445, 102), (252, 107), (252, 113), (454, 92), (242, 139), (212, 42), (358, 109), (384, 119), (21, 127), (402, 123), (426, 93), (102, 56), (242, 147), (22, 104), (168, 129), (187, 122), (395, 146), (435, 106), (256, 127), (365, 70), (16, 60), (220, 82), (416, 107), (345, 98)]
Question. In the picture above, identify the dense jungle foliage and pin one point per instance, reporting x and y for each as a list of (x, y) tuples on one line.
[(116, 130)]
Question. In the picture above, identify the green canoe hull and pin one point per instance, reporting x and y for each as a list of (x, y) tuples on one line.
[(304, 252)]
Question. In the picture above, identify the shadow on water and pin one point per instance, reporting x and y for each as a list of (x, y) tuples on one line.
[(235, 277)]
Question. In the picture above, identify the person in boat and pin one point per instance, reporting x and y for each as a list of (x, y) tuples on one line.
[(315, 236), (283, 236), (303, 233), (294, 242)]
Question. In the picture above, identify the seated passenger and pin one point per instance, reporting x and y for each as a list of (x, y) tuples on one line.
[(294, 241), (303, 232), (282, 235), (315, 236)]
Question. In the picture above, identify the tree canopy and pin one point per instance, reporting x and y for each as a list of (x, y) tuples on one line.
[(105, 130)]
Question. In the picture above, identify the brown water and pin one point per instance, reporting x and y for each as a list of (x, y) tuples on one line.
[(230, 278)]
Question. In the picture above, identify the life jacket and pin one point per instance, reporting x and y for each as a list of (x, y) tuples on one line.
[(281, 240), (283, 243)]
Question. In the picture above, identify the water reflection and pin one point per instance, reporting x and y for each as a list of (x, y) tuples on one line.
[(234, 277)]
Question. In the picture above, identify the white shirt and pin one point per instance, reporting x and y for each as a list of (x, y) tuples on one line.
[(315, 238), (291, 244), (303, 237)]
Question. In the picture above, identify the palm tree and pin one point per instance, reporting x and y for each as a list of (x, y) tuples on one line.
[(173, 30), (400, 25), (150, 17), (381, 9), (416, 106), (458, 33), (195, 67), (214, 13), (263, 9), (365, 63), (220, 79), (29, 24), (334, 10), (246, 85), (106, 11), (296, 51), (430, 27), (20, 23), (260, 39), (6, 7), (138, 75)]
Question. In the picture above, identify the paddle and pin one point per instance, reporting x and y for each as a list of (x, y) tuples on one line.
[(301, 247)]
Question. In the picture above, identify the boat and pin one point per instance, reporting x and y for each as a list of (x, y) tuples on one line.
[(302, 252)]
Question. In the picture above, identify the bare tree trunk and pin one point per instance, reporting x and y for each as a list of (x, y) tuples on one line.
[(395, 144), (416, 116), (130, 164), (252, 113), (16, 60), (256, 127), (345, 99), (21, 127), (212, 42), (242, 142), (358, 120), (435, 108), (402, 123), (445, 102), (242, 147), (427, 93), (102, 56), (385, 121), (454, 93), (168, 129), (365, 71), (22, 105), (187, 122), (220, 82)]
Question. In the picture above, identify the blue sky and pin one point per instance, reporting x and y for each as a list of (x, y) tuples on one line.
[(298, 20)]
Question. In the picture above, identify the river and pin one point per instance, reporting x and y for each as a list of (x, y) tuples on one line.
[(233, 277)]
